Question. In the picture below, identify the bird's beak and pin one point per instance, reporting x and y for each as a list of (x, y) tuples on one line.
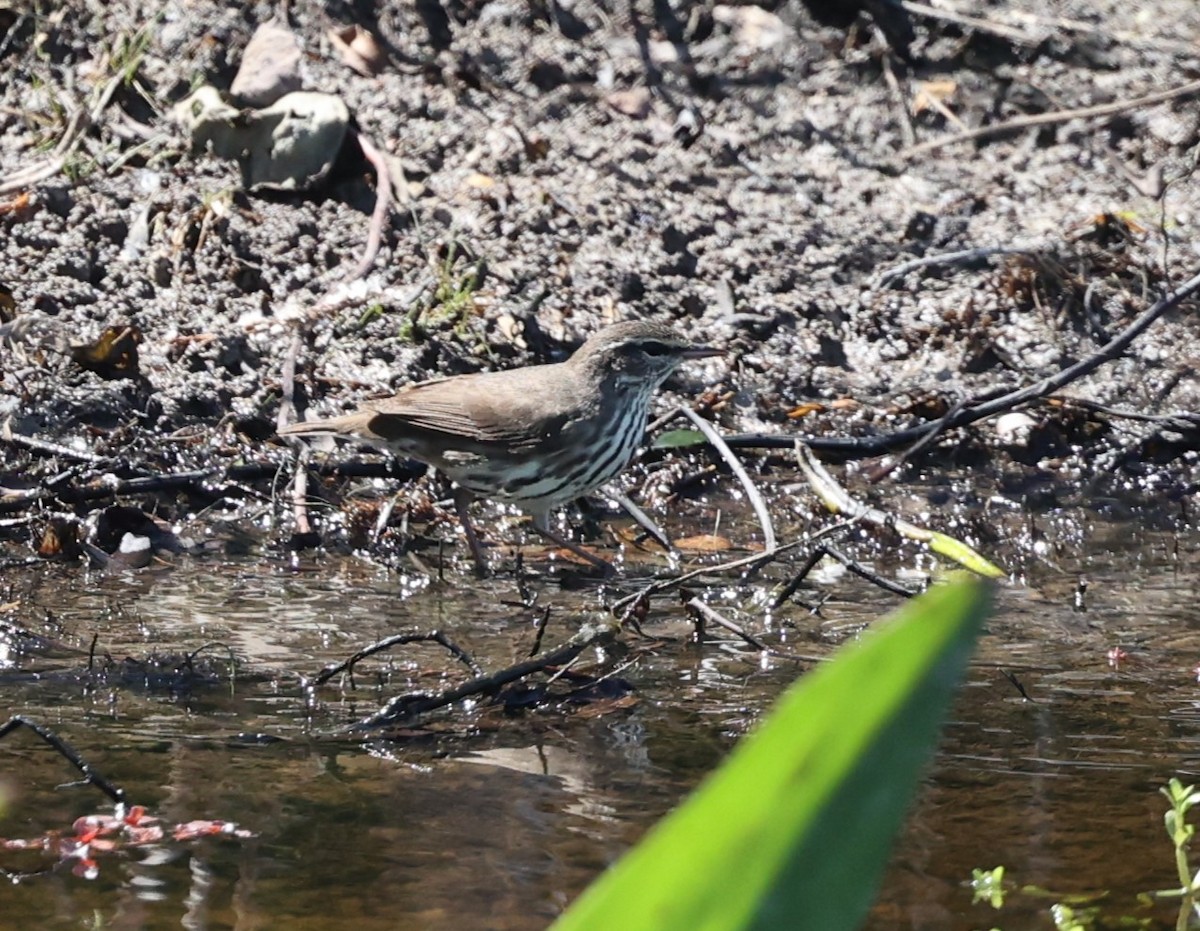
[(702, 352)]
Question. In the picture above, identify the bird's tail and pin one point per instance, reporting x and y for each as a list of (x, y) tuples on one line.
[(313, 428)]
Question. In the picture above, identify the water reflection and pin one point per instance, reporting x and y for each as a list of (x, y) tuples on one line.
[(497, 820)]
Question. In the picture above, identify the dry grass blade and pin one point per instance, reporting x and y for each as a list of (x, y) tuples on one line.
[(756, 499)]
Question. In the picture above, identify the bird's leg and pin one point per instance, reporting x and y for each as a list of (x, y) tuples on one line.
[(462, 500), (541, 523)]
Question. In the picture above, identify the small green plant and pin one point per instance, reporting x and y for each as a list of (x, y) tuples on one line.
[(78, 166), (988, 886), (373, 312), (1079, 913), (451, 300), (127, 52), (1067, 918), (49, 117), (454, 291), (1183, 799)]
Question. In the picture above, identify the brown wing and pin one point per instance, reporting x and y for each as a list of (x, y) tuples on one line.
[(489, 408)]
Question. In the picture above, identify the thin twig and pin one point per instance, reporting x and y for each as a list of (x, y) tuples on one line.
[(642, 518), (952, 258), (597, 680), (1052, 118), (540, 630), (715, 617), (656, 425), (300, 493), (975, 410), (863, 572), (405, 707), (756, 499), (878, 475), (432, 636), (1016, 684), (1135, 39), (797, 580), (106, 486), (907, 133), (287, 401), (662, 585), (1016, 36), (287, 412), (383, 202), (51, 449), (117, 795), (1181, 421), (563, 672)]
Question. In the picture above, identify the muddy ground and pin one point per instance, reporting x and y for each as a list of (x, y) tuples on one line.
[(746, 171), (764, 177)]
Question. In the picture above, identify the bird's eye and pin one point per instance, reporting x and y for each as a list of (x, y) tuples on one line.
[(655, 349)]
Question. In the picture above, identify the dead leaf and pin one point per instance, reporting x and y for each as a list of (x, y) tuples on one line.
[(803, 410), (844, 404), (359, 50), (933, 94), (753, 27), (599, 709), (537, 147), (704, 543), (60, 540), (19, 206), (114, 355), (634, 103)]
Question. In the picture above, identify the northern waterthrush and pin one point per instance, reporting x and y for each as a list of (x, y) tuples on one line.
[(538, 436)]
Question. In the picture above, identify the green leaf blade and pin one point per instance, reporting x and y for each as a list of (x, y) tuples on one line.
[(678, 439), (794, 830)]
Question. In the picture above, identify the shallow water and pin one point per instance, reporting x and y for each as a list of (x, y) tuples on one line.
[(482, 818)]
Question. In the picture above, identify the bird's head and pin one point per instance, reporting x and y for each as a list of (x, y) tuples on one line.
[(638, 353)]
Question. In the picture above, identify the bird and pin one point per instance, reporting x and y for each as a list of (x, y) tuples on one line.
[(538, 436)]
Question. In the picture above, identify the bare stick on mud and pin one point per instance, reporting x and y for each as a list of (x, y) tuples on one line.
[(51, 449), (962, 257), (287, 410), (1008, 33), (383, 202), (899, 101), (975, 410), (1052, 118)]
